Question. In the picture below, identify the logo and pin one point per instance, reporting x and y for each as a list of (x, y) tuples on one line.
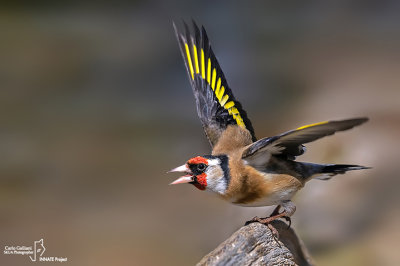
[(37, 249), (35, 252)]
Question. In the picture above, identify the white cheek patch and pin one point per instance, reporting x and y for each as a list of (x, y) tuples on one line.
[(217, 185), (215, 177)]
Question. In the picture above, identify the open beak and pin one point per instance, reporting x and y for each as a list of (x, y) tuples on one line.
[(183, 179)]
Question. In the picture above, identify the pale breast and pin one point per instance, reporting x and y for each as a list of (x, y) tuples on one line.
[(271, 199)]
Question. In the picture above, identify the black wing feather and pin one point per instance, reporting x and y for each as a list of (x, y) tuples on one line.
[(216, 106), (210, 112), (290, 143)]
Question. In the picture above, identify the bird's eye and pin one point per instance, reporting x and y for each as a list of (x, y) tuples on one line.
[(201, 167)]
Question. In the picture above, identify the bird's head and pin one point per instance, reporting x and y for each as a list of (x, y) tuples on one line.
[(205, 172)]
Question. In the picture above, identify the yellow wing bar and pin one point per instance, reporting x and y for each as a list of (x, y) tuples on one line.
[(311, 125), (212, 79)]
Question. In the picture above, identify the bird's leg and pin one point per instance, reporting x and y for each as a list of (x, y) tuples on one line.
[(256, 219), (267, 221), (271, 218), (276, 211), (289, 209)]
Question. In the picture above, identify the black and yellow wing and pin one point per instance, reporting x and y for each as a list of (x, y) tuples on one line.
[(216, 106), (290, 143)]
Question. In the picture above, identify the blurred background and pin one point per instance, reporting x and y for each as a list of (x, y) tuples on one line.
[(96, 107)]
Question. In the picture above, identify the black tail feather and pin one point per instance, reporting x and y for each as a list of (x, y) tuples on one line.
[(327, 171), (341, 168)]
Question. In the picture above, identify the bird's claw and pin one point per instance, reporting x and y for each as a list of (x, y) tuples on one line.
[(274, 232), (266, 221), (255, 219)]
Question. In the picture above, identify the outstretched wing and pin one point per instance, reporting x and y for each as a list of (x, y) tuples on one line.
[(216, 106), (290, 144)]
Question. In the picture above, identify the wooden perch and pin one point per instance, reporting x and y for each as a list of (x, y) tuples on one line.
[(255, 244)]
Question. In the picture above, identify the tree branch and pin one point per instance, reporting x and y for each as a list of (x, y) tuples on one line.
[(255, 244)]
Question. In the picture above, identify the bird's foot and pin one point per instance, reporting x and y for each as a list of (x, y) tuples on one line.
[(267, 221), (274, 232), (276, 212), (254, 220)]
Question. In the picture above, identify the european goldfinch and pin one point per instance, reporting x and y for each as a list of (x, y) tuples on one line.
[(241, 169)]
